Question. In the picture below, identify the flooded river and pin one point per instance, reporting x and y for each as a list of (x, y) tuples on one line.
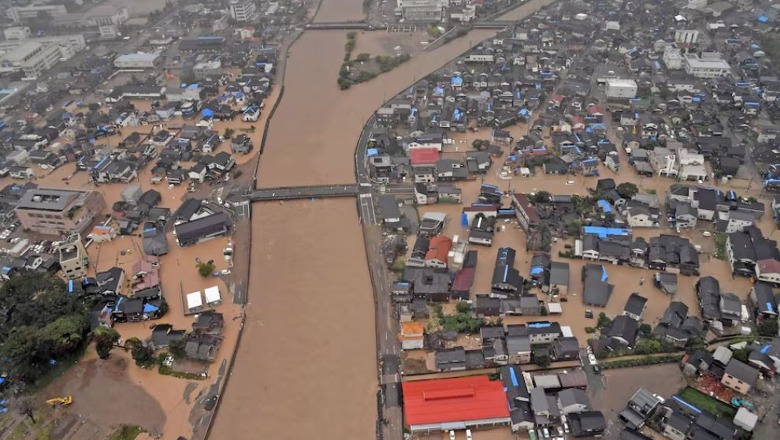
[(307, 365), (340, 10)]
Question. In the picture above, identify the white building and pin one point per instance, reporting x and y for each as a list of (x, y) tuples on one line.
[(17, 33), (672, 58), (421, 11), (139, 60), (22, 13), (686, 36), (105, 14), (621, 88), (242, 11), (108, 31), (709, 65)]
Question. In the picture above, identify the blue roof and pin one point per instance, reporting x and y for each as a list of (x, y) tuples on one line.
[(603, 232)]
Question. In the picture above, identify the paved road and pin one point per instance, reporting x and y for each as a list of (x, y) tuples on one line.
[(303, 192)]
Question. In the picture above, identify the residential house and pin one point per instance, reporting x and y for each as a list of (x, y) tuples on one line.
[(587, 424), (450, 359), (635, 306), (164, 334), (412, 335), (739, 376), (596, 288), (623, 331), (768, 271), (641, 407), (764, 301), (573, 400), (566, 349), (111, 281), (202, 229)]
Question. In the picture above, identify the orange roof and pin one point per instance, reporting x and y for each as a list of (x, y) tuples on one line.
[(412, 328), (439, 247), (454, 400)]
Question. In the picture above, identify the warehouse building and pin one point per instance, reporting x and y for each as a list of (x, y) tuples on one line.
[(455, 404), (139, 60), (621, 88)]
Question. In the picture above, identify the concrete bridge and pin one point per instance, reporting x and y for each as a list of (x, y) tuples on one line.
[(304, 192), (492, 24), (347, 25)]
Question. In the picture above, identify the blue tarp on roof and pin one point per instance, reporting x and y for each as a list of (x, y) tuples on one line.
[(512, 374), (149, 308), (603, 232), (372, 152), (207, 112), (456, 80), (604, 276), (763, 19), (604, 205), (536, 270)]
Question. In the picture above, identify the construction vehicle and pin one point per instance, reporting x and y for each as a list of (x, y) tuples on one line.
[(62, 401)]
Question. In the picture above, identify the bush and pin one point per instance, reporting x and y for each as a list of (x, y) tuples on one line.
[(463, 307), (206, 269), (363, 57), (768, 328), (344, 83), (590, 330), (398, 265)]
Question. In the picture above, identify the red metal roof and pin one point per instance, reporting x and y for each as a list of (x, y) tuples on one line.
[(454, 400), (424, 156), (464, 280), (439, 248)]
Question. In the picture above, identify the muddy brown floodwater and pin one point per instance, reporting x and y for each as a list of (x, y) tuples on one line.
[(307, 364), (333, 11)]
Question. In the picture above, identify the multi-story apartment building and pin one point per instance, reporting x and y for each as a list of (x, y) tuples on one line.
[(52, 211), (243, 11), (73, 257)]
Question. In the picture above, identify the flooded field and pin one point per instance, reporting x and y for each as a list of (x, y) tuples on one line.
[(339, 11), (316, 127), (307, 364), (621, 384)]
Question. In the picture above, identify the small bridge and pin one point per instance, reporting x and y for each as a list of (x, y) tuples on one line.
[(304, 192)]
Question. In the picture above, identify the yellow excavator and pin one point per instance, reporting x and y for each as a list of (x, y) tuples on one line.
[(63, 401)]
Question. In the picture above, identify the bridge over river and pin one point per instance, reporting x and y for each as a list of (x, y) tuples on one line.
[(304, 192)]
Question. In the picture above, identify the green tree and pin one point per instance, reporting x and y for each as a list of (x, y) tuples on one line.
[(480, 144), (603, 322), (206, 269), (177, 347), (543, 361), (540, 197), (741, 354), (645, 330), (229, 133), (65, 334), (363, 57), (104, 338), (463, 307), (768, 328), (627, 190), (21, 353), (142, 355)]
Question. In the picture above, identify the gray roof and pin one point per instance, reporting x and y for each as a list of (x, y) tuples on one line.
[(596, 291), (635, 304), (559, 273), (742, 371), (192, 231), (539, 402), (573, 396), (518, 344), (47, 199)]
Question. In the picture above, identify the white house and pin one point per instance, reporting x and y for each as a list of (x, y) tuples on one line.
[(768, 271)]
